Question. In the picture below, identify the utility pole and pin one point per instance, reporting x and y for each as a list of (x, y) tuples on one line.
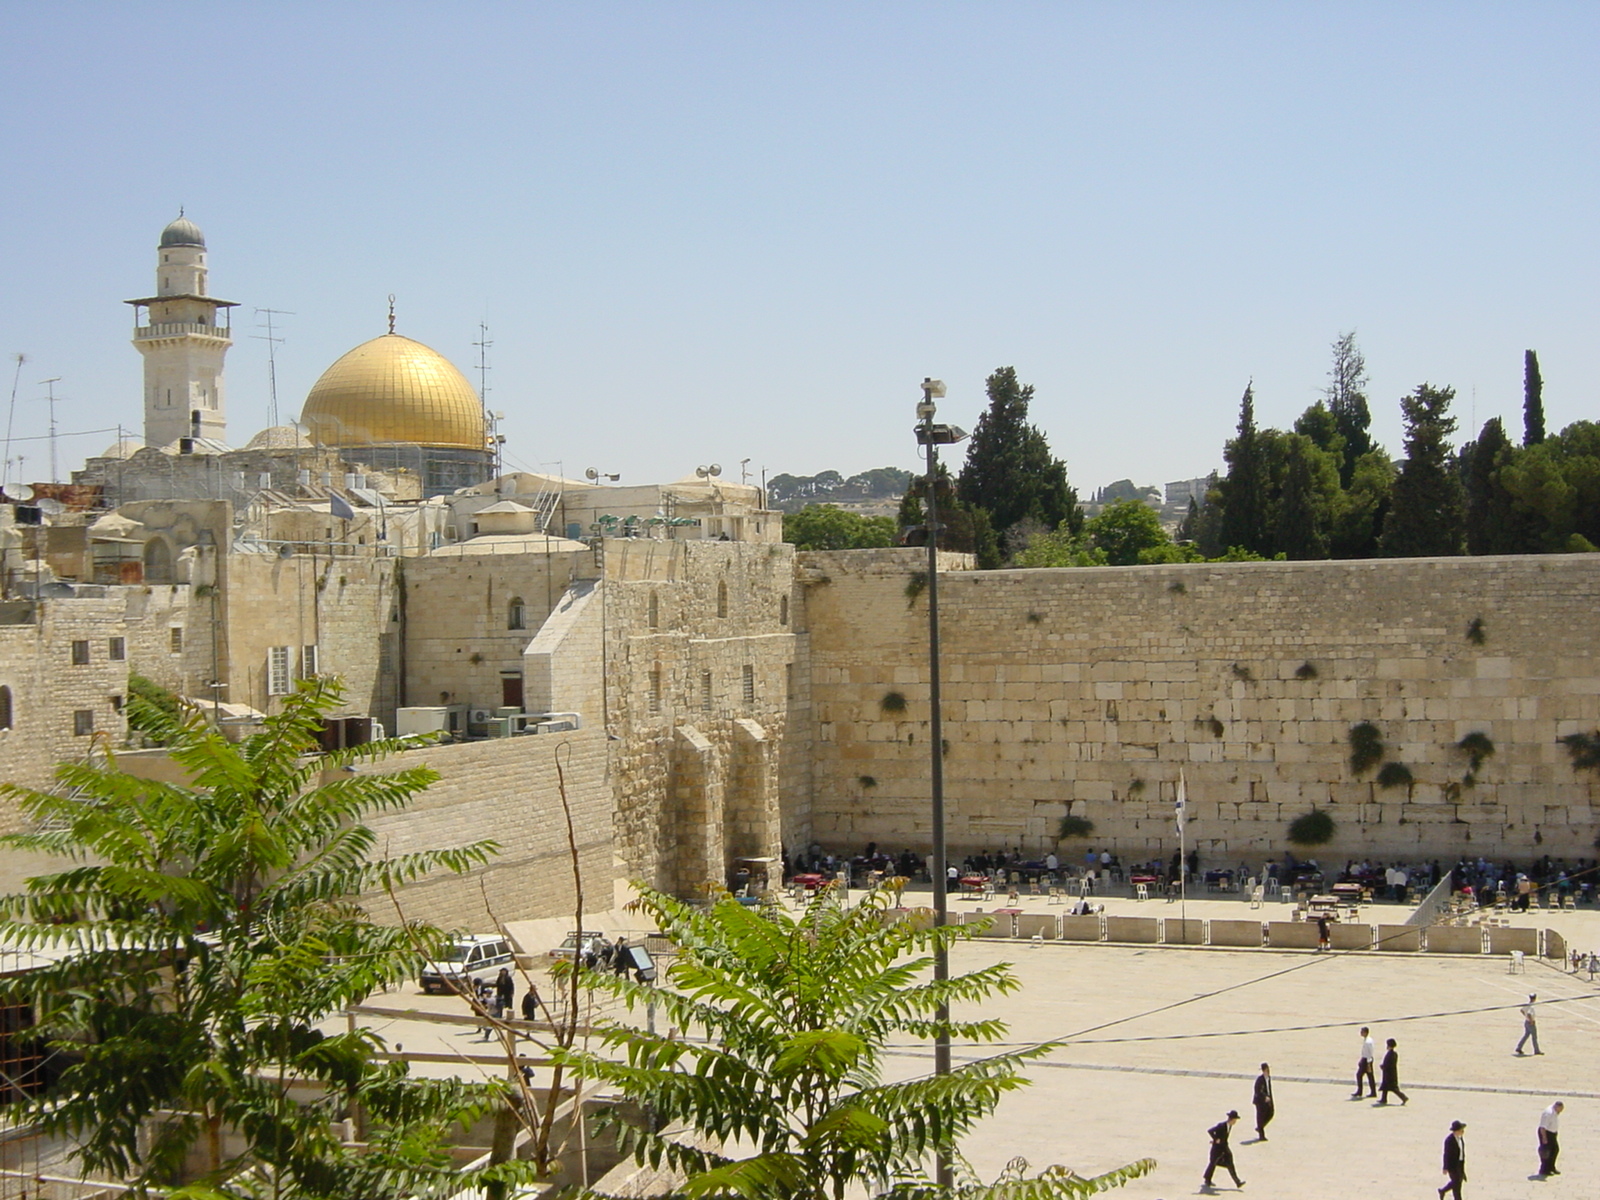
[(51, 400), (273, 342)]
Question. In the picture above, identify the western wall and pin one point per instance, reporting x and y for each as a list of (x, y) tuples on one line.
[(1089, 689)]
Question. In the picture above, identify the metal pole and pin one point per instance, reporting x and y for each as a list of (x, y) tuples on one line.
[(941, 957)]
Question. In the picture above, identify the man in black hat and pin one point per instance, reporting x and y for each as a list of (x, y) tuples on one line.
[(1221, 1152), (1262, 1099), (1455, 1159)]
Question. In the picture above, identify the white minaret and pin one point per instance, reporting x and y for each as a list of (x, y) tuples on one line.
[(183, 344)]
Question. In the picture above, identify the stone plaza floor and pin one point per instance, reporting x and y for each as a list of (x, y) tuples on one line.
[(1162, 1041)]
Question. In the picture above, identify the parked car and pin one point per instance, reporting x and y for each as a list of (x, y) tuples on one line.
[(580, 944), (469, 958)]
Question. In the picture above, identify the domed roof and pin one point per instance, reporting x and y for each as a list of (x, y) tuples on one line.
[(123, 448), (182, 232), (390, 390), (278, 437)]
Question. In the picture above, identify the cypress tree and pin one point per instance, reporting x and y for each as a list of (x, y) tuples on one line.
[(1428, 509), (1298, 532), (1010, 473), (1532, 400), (1244, 490), (1347, 401)]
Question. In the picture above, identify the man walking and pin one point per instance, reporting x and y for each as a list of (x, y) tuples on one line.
[(1549, 1146), (1389, 1075), (1364, 1065), (1455, 1159), (1263, 1101), (1221, 1152), (1530, 1027)]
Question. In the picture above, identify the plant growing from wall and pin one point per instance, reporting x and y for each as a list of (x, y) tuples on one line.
[(893, 702), (1240, 671), (1314, 828), (866, 781), (1074, 827), (1475, 632), (1477, 746), (1305, 670), (1584, 750), (1366, 747), (1394, 774), (915, 586)]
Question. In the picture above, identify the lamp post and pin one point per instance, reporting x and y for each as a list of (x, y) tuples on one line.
[(931, 436)]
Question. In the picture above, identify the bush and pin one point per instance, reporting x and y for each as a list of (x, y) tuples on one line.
[(1477, 747), (1074, 827), (1366, 747), (153, 711), (893, 702), (1395, 775), (1311, 829)]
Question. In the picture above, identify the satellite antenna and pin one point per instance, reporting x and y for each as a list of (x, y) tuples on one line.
[(22, 493), (53, 507)]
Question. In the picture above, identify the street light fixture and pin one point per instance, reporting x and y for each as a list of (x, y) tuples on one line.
[(931, 436)]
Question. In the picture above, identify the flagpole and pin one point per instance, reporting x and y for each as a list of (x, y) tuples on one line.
[(1183, 859)]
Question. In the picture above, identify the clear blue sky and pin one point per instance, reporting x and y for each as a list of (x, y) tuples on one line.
[(709, 232)]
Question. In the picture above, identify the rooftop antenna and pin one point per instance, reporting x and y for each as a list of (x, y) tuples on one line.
[(11, 414), (51, 400), (391, 312), (273, 342), (483, 343)]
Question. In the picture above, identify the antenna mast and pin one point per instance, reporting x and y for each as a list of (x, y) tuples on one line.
[(493, 419), (11, 414), (51, 399), (273, 343)]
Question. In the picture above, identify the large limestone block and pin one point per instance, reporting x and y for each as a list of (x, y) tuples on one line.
[(1236, 933), (1143, 930), (1452, 939), (1292, 935)]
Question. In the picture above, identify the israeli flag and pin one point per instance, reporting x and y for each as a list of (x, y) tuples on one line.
[(340, 507)]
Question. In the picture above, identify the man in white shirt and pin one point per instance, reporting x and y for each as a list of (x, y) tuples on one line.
[(1530, 1027), (1549, 1147), (1364, 1067)]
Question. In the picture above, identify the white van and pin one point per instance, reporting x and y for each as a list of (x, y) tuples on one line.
[(468, 958)]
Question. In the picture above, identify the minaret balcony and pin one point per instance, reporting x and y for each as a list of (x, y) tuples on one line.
[(177, 329)]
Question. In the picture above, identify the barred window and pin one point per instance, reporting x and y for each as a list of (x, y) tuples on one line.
[(749, 684), (175, 639), (117, 649), (705, 691), (83, 722), (80, 653), (655, 690), (278, 680), (309, 662)]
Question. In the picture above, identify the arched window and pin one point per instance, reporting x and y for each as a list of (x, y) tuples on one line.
[(517, 614), (5, 708), (157, 561), (655, 611), (722, 599)]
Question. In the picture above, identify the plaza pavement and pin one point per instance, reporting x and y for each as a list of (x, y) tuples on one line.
[(1163, 1041)]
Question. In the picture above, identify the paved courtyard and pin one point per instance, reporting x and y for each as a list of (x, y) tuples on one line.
[(1162, 1041)]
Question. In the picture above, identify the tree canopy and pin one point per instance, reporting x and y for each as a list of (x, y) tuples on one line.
[(201, 933), (825, 527), (781, 1092), (1428, 506)]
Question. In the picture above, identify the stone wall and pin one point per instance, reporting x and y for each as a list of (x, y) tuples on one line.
[(1089, 689), (700, 659)]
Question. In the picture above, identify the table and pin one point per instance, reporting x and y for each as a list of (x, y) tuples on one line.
[(810, 882), (973, 884)]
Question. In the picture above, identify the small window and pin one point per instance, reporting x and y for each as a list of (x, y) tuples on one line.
[(517, 615), (788, 681), (705, 691), (749, 684), (80, 654), (655, 689), (308, 662), (655, 611), (5, 708), (116, 703), (783, 610), (722, 599), (175, 639), (83, 722), (117, 650), (278, 681)]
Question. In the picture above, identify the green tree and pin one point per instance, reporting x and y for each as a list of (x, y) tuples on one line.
[(1495, 522), (153, 709), (1122, 531), (781, 1091), (201, 933), (1557, 484), (824, 527), (963, 529), (1532, 400), (1358, 517), (1428, 509), (1010, 472), (1301, 514), (1243, 490), (1347, 403)]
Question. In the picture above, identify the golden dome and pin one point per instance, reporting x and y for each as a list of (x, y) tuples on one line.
[(393, 389)]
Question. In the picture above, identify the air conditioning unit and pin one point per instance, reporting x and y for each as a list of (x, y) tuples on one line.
[(480, 716), (514, 710), (411, 721), (500, 727)]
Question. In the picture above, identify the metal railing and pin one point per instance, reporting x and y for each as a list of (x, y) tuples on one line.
[(182, 329)]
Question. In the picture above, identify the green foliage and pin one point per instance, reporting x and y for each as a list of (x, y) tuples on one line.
[(1584, 750), (915, 586), (893, 702), (1123, 530), (1394, 774), (1010, 473), (1427, 509), (201, 935), (1347, 405), (1532, 400), (824, 527), (963, 529), (867, 781), (1314, 828), (1476, 633), (1366, 747), (1244, 488), (1306, 670), (778, 1088), (791, 493), (1496, 522), (1477, 746), (152, 709), (1074, 827)]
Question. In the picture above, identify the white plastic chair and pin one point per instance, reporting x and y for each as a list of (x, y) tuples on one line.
[(1141, 891)]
